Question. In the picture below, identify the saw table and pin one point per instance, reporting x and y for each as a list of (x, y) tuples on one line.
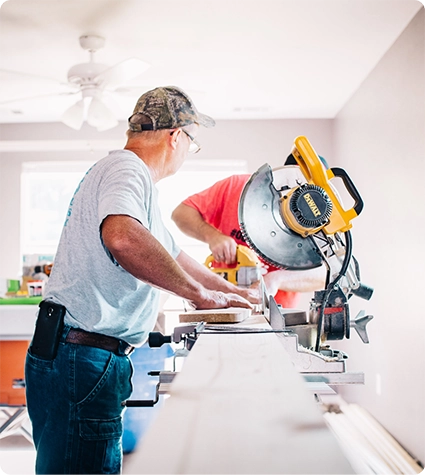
[(239, 406)]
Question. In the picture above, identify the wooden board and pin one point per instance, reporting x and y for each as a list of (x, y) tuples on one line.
[(238, 407), (217, 315)]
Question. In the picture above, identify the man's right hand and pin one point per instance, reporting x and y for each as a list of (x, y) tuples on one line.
[(223, 248), (191, 222)]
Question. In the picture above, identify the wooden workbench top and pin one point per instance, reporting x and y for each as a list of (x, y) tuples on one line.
[(239, 406)]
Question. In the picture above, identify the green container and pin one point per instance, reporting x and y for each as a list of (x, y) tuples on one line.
[(13, 285)]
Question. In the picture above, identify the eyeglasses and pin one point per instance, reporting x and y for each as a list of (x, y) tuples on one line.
[(194, 146)]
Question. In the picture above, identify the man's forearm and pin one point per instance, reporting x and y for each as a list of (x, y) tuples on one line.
[(213, 281), (190, 221), (143, 256), (296, 281), (205, 276)]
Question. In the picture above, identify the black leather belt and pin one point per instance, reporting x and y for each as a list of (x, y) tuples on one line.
[(104, 342)]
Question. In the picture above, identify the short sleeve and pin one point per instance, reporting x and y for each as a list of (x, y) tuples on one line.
[(212, 202), (124, 190)]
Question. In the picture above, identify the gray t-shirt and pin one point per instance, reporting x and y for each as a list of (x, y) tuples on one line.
[(99, 295)]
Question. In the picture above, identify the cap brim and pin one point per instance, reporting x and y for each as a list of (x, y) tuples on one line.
[(205, 120)]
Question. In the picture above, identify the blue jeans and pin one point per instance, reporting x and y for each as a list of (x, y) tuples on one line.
[(74, 403)]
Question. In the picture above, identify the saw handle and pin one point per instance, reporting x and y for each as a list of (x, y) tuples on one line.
[(210, 261), (315, 173), (349, 185)]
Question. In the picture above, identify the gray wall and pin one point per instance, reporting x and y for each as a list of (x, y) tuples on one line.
[(380, 135)]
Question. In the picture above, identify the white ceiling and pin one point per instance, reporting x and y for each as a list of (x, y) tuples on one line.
[(238, 59)]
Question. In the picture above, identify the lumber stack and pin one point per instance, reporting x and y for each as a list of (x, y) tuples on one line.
[(367, 445)]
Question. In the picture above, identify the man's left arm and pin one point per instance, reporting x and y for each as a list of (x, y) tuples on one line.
[(212, 281), (296, 281)]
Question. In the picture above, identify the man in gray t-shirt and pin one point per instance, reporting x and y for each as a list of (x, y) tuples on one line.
[(114, 257)]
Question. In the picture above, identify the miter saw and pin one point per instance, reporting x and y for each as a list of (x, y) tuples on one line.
[(294, 219)]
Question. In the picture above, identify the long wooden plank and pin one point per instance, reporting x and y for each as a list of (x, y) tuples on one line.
[(239, 406)]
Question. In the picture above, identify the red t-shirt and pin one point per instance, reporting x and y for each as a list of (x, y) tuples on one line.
[(218, 206)]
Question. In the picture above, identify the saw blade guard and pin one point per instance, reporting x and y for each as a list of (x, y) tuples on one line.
[(262, 225)]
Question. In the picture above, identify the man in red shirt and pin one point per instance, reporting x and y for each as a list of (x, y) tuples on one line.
[(211, 216)]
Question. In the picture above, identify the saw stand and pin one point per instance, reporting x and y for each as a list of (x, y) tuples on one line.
[(327, 366)]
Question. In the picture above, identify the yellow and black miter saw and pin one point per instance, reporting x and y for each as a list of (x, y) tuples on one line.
[(245, 272), (294, 219)]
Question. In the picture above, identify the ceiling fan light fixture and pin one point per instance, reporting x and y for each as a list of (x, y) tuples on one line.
[(74, 116), (85, 73), (100, 116), (92, 42)]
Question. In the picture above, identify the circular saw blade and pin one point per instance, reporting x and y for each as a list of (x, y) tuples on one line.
[(263, 227)]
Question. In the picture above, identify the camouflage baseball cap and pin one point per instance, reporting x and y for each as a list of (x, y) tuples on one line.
[(166, 108)]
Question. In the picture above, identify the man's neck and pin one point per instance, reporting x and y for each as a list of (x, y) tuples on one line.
[(153, 158)]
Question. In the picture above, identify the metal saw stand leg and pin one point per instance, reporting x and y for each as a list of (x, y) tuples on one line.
[(16, 416)]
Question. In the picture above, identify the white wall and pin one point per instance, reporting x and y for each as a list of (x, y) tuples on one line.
[(380, 135)]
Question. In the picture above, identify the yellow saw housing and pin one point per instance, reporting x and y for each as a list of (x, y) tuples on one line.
[(314, 206)]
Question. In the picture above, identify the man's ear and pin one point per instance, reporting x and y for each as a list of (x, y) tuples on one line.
[(174, 137)]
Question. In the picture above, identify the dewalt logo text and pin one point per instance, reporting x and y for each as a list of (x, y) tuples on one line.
[(312, 205)]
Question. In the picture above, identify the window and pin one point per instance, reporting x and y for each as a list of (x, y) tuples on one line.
[(47, 188)]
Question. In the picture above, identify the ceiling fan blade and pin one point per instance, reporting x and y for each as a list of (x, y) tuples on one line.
[(100, 116), (122, 72), (74, 116)]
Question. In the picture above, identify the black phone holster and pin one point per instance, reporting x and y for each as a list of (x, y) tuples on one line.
[(48, 330)]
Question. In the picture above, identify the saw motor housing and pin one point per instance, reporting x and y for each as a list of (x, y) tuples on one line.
[(315, 205), (306, 209)]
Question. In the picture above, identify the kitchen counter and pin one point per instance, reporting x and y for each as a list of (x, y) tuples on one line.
[(17, 321)]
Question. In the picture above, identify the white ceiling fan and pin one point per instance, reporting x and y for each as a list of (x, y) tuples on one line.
[(91, 81)]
